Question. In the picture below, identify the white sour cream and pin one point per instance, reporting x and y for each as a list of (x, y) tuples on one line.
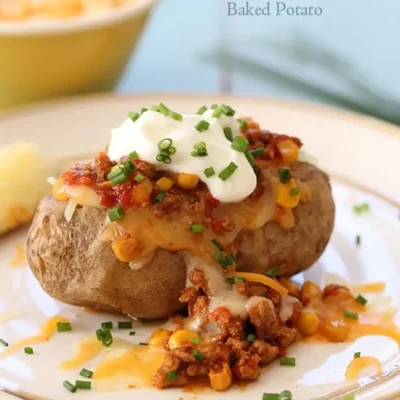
[(143, 136)]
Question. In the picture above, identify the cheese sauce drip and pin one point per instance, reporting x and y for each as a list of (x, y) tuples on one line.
[(152, 127)]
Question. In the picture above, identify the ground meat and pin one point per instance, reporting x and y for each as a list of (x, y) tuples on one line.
[(266, 351), (184, 355), (199, 281), (229, 325), (102, 167), (250, 289), (190, 294), (237, 345), (146, 169), (247, 367), (172, 201), (171, 363)]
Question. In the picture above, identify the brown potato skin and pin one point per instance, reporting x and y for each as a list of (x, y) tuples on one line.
[(75, 266)]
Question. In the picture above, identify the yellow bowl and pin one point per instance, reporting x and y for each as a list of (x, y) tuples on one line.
[(62, 57)]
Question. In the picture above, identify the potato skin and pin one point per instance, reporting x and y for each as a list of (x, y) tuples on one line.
[(75, 266)]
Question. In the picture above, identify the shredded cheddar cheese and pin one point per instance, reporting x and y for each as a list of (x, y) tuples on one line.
[(358, 364), (252, 277)]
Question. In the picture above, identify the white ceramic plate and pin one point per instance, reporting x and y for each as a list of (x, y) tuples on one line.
[(360, 153)]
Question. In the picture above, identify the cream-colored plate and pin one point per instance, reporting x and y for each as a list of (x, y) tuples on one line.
[(360, 153)]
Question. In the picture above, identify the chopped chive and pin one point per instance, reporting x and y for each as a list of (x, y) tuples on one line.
[(239, 144), (134, 116), (285, 395), (129, 167), (358, 240), (361, 208), (243, 124), (143, 110), (208, 172), (202, 126), (228, 171), (199, 146), (228, 110), (167, 160), (143, 344), (105, 336), (155, 108), (197, 228), (294, 191), (159, 198), (214, 106), (288, 361), (224, 261), (228, 260), (116, 213), (349, 397), (236, 279), (228, 134), (164, 143), (176, 116), (172, 150), (357, 355), (272, 272), (132, 333), (28, 350), (350, 314), (284, 174), (3, 342), (198, 355), (362, 300), (86, 373), (249, 157), (138, 178), (83, 384), (196, 340), (218, 245), (107, 325), (69, 386), (124, 324), (259, 152), (133, 155), (270, 396), (171, 376), (250, 338), (217, 112), (202, 110), (219, 258), (164, 109), (159, 157), (63, 327)]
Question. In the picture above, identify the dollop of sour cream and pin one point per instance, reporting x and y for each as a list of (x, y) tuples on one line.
[(145, 133)]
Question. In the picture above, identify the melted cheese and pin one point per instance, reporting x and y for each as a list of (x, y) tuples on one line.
[(358, 364), (87, 349), (368, 287), (249, 276), (44, 334)]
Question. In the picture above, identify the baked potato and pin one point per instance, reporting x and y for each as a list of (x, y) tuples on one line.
[(74, 265)]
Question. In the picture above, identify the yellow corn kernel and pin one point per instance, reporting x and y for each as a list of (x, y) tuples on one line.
[(290, 286), (142, 192), (127, 249), (288, 150), (57, 194), (335, 331), (221, 379), (286, 194), (309, 291), (158, 338), (308, 323), (165, 184), (182, 337), (187, 181)]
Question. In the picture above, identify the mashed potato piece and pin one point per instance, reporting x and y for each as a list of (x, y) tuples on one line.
[(23, 172)]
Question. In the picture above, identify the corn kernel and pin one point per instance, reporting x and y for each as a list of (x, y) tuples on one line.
[(290, 286), (335, 331), (221, 379), (142, 192), (187, 181), (57, 194), (127, 249), (288, 150), (308, 323), (158, 338), (283, 195), (182, 337), (165, 184), (310, 291)]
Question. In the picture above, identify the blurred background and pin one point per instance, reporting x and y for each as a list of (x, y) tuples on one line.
[(348, 56)]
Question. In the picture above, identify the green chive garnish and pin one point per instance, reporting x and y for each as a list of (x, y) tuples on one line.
[(3, 342), (198, 355), (239, 144), (86, 373), (202, 126), (357, 355), (83, 384), (133, 155), (288, 361), (172, 375), (105, 336), (134, 116), (358, 240), (172, 150), (107, 325), (250, 339), (259, 152), (117, 176), (164, 143), (200, 150), (217, 112), (116, 213), (350, 314), (133, 333), (294, 191), (228, 134), (138, 178), (228, 171), (349, 397), (143, 344), (362, 300), (284, 174), (124, 324), (285, 395), (197, 228), (236, 279), (361, 208), (249, 157), (159, 198), (69, 386), (202, 110), (176, 116), (271, 272), (143, 110), (28, 350), (228, 110), (63, 327), (243, 124), (224, 261), (208, 172), (164, 109), (196, 340), (214, 106), (218, 245)]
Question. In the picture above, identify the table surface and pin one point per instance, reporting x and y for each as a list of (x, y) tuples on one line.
[(351, 49)]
